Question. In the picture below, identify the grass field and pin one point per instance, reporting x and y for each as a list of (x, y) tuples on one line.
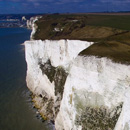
[(114, 21)]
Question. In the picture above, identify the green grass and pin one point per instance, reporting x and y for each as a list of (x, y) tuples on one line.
[(88, 27), (117, 51), (114, 21)]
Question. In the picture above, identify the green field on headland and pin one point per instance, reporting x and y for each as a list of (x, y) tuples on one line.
[(110, 32)]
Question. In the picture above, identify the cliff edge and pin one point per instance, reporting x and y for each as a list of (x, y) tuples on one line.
[(81, 85)]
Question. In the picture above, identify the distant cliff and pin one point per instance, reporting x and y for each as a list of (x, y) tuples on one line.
[(81, 85)]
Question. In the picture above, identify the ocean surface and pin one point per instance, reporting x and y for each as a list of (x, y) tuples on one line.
[(16, 110)]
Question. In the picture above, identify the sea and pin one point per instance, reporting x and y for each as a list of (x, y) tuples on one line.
[(16, 108)]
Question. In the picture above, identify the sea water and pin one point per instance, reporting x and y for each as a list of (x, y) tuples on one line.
[(16, 110)]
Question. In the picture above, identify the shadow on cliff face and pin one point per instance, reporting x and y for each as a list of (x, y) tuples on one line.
[(99, 118), (58, 75), (93, 115)]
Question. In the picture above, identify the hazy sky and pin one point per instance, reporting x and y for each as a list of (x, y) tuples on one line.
[(62, 6)]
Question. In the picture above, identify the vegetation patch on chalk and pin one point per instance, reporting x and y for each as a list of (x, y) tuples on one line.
[(58, 75), (99, 118)]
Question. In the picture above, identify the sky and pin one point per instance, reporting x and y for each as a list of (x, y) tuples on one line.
[(62, 6)]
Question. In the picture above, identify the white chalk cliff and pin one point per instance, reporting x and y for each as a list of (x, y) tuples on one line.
[(31, 25), (78, 92)]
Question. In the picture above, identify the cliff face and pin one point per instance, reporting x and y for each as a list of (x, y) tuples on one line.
[(48, 64), (78, 92), (76, 89), (96, 96), (31, 25)]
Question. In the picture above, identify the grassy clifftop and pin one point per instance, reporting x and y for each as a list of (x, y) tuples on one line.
[(87, 27), (111, 33)]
